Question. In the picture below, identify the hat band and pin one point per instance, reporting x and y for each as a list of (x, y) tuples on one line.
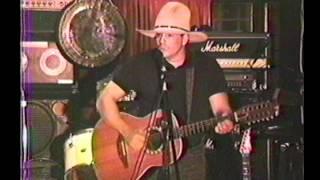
[(172, 27)]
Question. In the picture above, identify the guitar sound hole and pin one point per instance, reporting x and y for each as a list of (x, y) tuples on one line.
[(155, 140)]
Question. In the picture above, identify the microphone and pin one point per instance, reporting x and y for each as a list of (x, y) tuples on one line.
[(163, 72)]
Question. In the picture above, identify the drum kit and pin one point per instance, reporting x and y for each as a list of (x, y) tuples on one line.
[(78, 160), (78, 156)]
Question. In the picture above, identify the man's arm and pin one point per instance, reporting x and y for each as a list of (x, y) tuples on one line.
[(221, 107), (108, 109)]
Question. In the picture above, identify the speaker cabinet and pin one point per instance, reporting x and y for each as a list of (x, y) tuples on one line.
[(45, 120), (277, 158), (43, 63), (263, 159)]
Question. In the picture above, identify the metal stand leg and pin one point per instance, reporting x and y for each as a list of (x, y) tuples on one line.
[(23, 139)]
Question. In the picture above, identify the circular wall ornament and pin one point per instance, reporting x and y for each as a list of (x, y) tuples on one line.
[(91, 34)]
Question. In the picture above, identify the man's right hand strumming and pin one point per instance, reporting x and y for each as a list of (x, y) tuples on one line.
[(135, 139), (107, 106)]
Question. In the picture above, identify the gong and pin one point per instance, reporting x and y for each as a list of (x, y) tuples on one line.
[(91, 32)]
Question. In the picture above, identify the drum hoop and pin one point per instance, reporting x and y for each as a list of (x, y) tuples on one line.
[(82, 131), (79, 132), (70, 140), (79, 165)]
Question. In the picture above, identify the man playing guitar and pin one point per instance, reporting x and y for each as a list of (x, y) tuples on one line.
[(169, 62)]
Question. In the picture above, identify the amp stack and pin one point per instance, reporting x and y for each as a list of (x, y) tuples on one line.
[(245, 60), (251, 76), (48, 81)]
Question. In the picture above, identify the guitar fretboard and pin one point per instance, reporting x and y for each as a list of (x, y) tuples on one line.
[(246, 169), (196, 128)]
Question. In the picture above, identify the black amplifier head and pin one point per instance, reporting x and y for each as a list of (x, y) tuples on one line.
[(234, 45)]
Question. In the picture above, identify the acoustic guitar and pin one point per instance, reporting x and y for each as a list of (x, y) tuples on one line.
[(115, 159)]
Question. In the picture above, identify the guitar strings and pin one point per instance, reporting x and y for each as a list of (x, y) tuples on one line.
[(151, 122)]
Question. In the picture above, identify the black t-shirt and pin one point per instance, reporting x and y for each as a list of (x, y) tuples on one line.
[(142, 74)]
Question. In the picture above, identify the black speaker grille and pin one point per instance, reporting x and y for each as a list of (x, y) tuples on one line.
[(41, 126)]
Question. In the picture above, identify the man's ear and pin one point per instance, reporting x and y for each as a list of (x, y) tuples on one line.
[(185, 39)]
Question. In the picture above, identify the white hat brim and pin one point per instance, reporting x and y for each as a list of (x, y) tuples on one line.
[(194, 36)]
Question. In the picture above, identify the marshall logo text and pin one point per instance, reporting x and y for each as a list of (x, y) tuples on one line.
[(212, 47)]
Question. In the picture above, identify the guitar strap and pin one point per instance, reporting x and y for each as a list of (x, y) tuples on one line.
[(192, 165), (189, 90)]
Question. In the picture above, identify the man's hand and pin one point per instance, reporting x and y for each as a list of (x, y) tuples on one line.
[(224, 127), (136, 139), (221, 108)]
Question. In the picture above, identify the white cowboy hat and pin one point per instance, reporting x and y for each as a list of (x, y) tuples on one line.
[(174, 17)]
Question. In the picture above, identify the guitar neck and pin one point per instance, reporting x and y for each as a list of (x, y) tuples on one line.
[(249, 114), (246, 168), (196, 128)]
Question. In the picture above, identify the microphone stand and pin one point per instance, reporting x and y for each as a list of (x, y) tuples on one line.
[(168, 126), (23, 133)]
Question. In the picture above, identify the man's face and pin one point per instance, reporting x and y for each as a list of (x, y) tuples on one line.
[(170, 44)]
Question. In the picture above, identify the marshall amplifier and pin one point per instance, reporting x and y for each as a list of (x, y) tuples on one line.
[(43, 63), (39, 25), (244, 81), (40, 18), (44, 70), (44, 5), (244, 58), (236, 46)]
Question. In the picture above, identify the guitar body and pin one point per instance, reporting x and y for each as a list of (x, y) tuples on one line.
[(115, 159)]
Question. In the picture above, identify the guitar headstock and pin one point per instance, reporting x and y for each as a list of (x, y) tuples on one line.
[(245, 146), (257, 113)]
